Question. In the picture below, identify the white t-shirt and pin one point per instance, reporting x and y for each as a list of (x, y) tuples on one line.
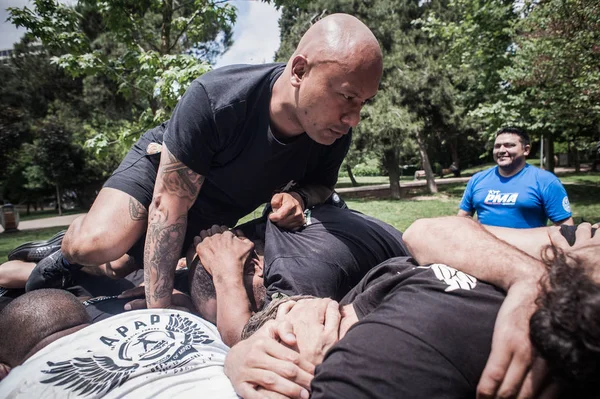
[(140, 354)]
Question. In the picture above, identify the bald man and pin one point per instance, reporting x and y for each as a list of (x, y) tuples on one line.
[(241, 136)]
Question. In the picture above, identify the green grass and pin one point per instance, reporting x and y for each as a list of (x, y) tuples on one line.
[(48, 213), (583, 190), (8, 241)]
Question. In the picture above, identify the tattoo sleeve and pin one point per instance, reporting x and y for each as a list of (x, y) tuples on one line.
[(175, 191), (180, 180)]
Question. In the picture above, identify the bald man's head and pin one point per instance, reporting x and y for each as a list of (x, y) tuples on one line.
[(334, 71), (343, 39)]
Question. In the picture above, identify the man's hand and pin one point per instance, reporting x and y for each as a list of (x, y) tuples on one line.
[(349, 318), (221, 252), (583, 238), (316, 323), (288, 211), (509, 372), (262, 362), (179, 300)]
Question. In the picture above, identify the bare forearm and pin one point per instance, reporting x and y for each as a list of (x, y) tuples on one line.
[(530, 241), (233, 308), (465, 245), (164, 240)]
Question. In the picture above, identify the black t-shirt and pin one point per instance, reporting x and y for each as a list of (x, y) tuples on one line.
[(423, 332), (330, 255), (221, 130)]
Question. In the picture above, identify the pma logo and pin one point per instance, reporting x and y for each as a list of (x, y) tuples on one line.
[(495, 197)]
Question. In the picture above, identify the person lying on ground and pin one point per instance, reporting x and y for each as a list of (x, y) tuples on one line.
[(426, 331), (326, 258), (50, 349)]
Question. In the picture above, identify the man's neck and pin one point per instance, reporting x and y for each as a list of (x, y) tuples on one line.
[(512, 171), (284, 123), (51, 338)]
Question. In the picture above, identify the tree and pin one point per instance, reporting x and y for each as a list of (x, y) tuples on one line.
[(151, 49)]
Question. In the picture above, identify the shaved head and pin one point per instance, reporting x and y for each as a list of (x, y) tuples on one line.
[(334, 71), (340, 38)]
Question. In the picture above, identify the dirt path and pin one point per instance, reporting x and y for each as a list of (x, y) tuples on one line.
[(47, 222)]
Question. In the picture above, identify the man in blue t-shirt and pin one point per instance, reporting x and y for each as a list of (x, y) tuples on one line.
[(515, 194)]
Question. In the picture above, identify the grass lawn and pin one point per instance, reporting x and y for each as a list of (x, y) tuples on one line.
[(8, 241), (583, 190)]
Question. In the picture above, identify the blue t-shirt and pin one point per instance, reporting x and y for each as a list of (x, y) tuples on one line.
[(524, 200)]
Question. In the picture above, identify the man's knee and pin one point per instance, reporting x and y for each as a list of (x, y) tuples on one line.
[(93, 245)]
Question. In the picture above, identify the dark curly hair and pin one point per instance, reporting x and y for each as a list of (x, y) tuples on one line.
[(566, 327)]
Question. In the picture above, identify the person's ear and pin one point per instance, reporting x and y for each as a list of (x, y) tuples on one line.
[(4, 370), (299, 69), (258, 269), (527, 149)]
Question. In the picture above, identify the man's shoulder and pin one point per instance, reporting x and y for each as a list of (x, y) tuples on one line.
[(236, 83), (484, 174), (541, 176)]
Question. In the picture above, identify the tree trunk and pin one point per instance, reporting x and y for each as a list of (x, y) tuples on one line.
[(165, 36), (431, 186), (390, 161), (351, 176), (28, 206), (550, 154), (58, 203), (577, 159), (452, 143)]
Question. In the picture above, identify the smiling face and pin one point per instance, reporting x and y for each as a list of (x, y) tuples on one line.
[(330, 96), (510, 153)]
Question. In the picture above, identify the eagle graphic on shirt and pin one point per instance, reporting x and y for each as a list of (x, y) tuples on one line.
[(147, 349)]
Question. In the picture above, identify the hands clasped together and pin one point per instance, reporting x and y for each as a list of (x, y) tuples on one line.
[(280, 358)]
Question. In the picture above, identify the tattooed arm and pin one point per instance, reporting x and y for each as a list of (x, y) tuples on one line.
[(175, 191)]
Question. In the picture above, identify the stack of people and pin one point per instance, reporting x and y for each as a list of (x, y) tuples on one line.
[(156, 292)]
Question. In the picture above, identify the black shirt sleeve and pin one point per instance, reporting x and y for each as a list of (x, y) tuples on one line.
[(192, 134)]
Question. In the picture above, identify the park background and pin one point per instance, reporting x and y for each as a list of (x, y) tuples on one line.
[(85, 78)]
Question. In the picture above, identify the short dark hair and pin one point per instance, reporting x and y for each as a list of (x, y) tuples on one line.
[(515, 130), (35, 316), (565, 329)]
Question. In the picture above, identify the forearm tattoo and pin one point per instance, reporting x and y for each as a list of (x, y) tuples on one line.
[(137, 211), (164, 240), (180, 180)]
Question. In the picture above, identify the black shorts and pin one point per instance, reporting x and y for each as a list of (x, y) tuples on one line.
[(136, 176), (137, 172)]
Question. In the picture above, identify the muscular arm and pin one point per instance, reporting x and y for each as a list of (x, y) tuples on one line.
[(175, 191), (224, 255), (466, 245), (233, 307), (530, 241)]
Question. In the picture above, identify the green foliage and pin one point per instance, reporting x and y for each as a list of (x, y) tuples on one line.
[(368, 168), (150, 50)]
